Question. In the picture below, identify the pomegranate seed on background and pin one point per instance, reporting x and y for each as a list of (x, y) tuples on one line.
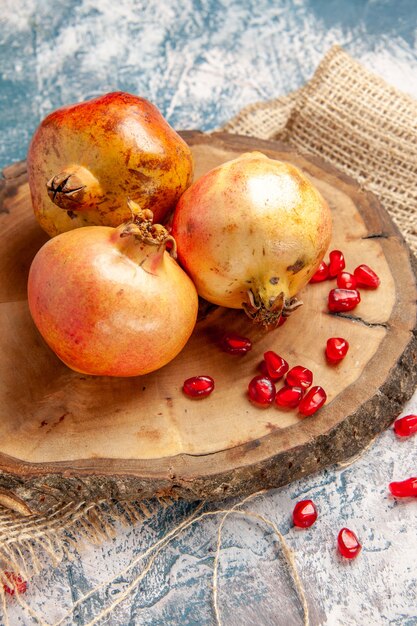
[(275, 365), (289, 397), (345, 280), (343, 300), (404, 488), (336, 349), (282, 320), (299, 376), (198, 386), (366, 277), (406, 426), (261, 390), (348, 543), (235, 344), (322, 273), (336, 263), (18, 585), (312, 401), (304, 514)]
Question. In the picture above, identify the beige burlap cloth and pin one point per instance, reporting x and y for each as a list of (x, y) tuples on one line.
[(350, 118)]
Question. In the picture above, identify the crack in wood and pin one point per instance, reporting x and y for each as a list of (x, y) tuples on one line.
[(354, 318), (376, 236)]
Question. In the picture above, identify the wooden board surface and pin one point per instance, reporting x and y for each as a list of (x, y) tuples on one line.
[(66, 436)]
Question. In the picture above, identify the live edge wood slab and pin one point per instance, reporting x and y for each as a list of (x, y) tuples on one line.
[(67, 437)]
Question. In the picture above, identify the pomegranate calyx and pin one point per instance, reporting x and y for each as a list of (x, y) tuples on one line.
[(142, 228), (74, 189), (268, 311)]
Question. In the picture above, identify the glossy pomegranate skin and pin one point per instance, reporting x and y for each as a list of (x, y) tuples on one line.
[(109, 306), (114, 147)]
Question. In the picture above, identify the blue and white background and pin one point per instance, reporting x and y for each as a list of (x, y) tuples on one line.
[(200, 62)]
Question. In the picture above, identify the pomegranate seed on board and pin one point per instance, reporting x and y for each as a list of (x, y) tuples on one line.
[(198, 386), (404, 489), (304, 514), (322, 273), (289, 397), (336, 263), (336, 349), (18, 585), (276, 366), (366, 277), (343, 300), (348, 544), (346, 281), (312, 401), (299, 376), (235, 344), (261, 390), (406, 426)]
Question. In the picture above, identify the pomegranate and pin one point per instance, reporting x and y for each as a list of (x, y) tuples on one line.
[(86, 159), (198, 386), (251, 233), (112, 301), (304, 514), (348, 543)]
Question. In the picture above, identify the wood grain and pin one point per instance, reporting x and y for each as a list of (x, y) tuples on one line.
[(64, 436)]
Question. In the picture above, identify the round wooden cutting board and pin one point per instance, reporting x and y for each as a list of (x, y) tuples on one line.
[(66, 436)]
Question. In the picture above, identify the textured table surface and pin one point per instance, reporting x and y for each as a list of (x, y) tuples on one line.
[(200, 62)]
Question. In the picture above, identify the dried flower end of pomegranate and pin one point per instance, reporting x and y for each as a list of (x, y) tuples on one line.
[(304, 514), (366, 277), (17, 584), (299, 376), (336, 263), (312, 401), (289, 397), (406, 426), (404, 488), (261, 390), (198, 386), (276, 366), (336, 349), (348, 544), (235, 344), (321, 274), (341, 300)]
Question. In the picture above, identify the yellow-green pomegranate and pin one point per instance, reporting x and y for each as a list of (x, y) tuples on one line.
[(251, 233), (87, 159)]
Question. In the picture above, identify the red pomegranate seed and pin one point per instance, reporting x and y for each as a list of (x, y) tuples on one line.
[(366, 277), (235, 344), (299, 376), (336, 349), (289, 397), (304, 514), (18, 585), (336, 263), (261, 390), (343, 300), (198, 386), (321, 274), (276, 366), (312, 401), (406, 426), (282, 320), (346, 281), (404, 489), (348, 544)]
